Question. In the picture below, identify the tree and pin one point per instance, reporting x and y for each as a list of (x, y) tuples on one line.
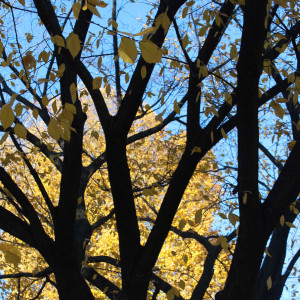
[(227, 62)]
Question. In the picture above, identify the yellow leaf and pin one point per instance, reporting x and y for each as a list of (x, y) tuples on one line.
[(127, 50), (97, 83), (146, 31), (71, 108), (20, 131), (233, 52), (176, 107), (35, 113), (233, 218), (267, 252), (98, 3), (185, 41), (22, 2), (223, 216), (289, 224), (7, 116), (269, 283), (94, 10), (282, 219), (279, 111), (3, 138), (143, 72), (12, 254), (76, 9), (61, 70), (181, 284), (58, 40), (73, 44), (127, 76), (84, 7), (224, 244), (29, 61), (181, 224), (45, 100), (202, 31), (164, 21), (198, 216), (73, 92), (245, 198), (223, 133), (150, 52), (184, 12), (53, 129), (196, 150)]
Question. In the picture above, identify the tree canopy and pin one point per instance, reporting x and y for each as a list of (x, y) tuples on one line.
[(149, 150)]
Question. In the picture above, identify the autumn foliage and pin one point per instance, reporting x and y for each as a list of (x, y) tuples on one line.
[(149, 150)]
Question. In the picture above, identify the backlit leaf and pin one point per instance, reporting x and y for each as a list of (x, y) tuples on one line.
[(53, 129), (150, 52), (269, 283), (198, 216), (7, 116), (73, 44), (58, 40), (20, 131), (127, 50)]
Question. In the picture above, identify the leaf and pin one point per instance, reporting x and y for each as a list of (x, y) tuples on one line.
[(146, 31), (29, 61), (76, 9), (181, 284), (127, 50), (20, 131), (84, 7), (225, 136), (245, 198), (176, 107), (98, 3), (164, 21), (223, 216), (196, 150), (233, 52), (35, 113), (267, 252), (97, 83), (269, 283), (53, 129), (143, 72), (184, 12), (198, 216), (94, 10), (73, 92), (150, 52), (7, 116), (12, 254), (182, 223), (233, 218), (22, 2), (73, 44), (4, 137), (58, 40), (45, 101), (279, 111), (289, 224), (282, 219)]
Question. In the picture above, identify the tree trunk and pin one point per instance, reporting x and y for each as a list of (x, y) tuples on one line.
[(71, 285)]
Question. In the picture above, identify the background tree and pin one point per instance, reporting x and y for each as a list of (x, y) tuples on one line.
[(216, 74)]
